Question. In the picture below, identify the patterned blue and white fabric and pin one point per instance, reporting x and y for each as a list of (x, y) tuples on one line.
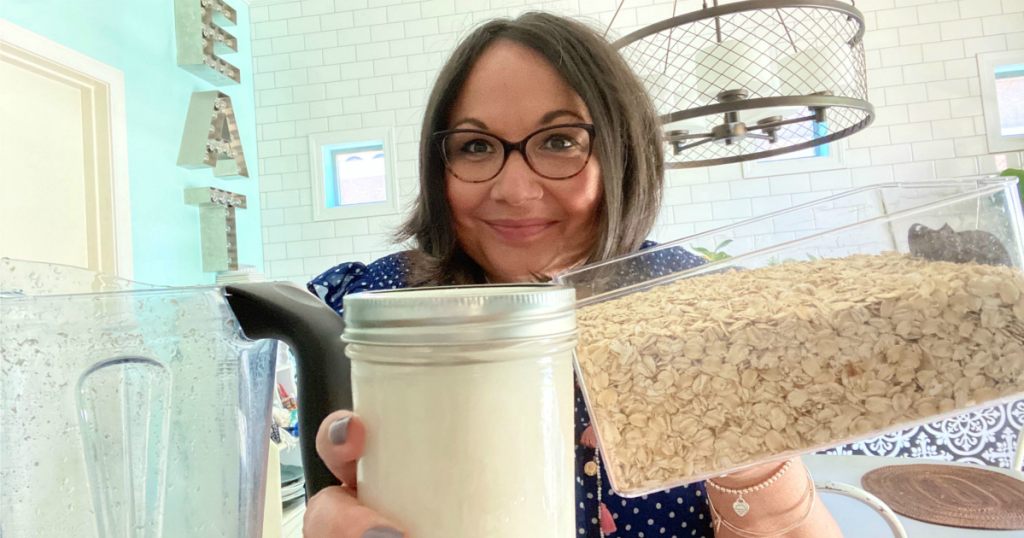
[(387, 273)]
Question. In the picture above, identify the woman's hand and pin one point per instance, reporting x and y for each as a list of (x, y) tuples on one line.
[(776, 507), (335, 512)]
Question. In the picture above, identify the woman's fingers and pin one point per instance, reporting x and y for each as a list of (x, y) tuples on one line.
[(334, 512), (589, 437), (339, 442)]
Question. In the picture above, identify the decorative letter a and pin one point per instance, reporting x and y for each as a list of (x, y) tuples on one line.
[(211, 137)]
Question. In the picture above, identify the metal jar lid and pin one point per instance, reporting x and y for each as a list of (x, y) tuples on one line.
[(459, 315)]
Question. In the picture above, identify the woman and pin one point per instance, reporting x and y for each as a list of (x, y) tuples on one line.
[(540, 151)]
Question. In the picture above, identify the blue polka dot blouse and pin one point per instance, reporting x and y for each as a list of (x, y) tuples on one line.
[(677, 513)]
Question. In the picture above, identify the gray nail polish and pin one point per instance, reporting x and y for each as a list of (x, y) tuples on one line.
[(383, 532), (338, 433)]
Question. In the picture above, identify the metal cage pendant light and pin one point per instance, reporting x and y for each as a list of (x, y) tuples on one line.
[(753, 79)]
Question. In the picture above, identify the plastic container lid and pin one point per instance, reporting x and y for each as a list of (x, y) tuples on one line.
[(459, 315)]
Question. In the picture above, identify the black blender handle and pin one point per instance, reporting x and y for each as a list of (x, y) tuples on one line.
[(284, 311)]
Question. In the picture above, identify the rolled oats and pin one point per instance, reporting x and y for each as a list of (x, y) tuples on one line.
[(706, 374)]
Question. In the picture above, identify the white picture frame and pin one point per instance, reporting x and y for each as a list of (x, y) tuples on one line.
[(319, 141), (987, 63)]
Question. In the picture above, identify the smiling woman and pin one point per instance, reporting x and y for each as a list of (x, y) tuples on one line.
[(582, 182), (513, 223), (540, 151)]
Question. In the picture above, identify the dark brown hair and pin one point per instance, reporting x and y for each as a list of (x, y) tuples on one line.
[(628, 142)]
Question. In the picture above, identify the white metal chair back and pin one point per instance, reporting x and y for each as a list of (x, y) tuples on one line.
[(873, 502)]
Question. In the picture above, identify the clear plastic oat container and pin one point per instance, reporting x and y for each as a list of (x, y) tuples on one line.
[(867, 312)]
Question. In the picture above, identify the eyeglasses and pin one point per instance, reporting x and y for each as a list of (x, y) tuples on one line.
[(556, 152)]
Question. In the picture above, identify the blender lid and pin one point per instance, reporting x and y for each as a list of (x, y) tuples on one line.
[(25, 280)]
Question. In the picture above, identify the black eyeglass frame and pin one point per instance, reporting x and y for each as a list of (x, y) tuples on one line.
[(508, 147)]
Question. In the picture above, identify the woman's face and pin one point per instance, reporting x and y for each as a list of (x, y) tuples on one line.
[(519, 223)]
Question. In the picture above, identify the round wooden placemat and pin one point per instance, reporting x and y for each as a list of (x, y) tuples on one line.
[(950, 495)]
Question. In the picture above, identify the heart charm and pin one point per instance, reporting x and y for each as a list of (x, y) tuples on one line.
[(741, 507)]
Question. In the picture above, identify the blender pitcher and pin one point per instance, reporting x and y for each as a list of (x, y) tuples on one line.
[(134, 411)]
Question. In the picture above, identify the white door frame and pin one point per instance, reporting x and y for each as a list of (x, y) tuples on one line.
[(18, 37)]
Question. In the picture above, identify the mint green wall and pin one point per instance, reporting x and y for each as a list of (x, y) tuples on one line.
[(138, 38)]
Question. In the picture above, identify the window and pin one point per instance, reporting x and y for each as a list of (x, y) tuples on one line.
[(823, 150), (1002, 94), (356, 175), (353, 174), (1010, 97), (815, 159)]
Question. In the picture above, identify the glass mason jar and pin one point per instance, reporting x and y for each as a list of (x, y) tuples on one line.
[(467, 397)]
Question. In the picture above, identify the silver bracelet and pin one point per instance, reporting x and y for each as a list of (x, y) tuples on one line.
[(719, 521), (740, 506)]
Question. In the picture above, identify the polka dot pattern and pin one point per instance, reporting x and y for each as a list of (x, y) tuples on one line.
[(657, 512), (387, 273)]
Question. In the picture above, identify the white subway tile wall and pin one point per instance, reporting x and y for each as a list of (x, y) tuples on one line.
[(325, 65)]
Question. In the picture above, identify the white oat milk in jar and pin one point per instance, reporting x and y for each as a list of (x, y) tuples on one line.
[(467, 397)]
